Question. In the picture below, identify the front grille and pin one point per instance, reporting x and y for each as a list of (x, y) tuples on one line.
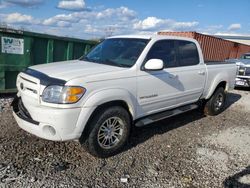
[(27, 80), (28, 85), (247, 71), (244, 71)]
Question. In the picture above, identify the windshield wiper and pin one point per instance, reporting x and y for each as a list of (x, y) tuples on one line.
[(90, 60), (106, 61), (86, 59), (110, 62)]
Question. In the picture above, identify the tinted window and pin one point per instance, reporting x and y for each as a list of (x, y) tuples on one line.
[(188, 53), (164, 50)]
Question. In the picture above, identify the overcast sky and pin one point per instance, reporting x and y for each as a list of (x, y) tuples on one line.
[(95, 19)]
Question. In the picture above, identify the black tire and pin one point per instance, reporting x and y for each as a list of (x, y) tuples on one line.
[(94, 145), (216, 103)]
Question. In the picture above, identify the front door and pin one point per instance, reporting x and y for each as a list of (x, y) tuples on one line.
[(157, 90)]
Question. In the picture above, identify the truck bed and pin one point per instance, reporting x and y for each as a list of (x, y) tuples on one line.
[(216, 72)]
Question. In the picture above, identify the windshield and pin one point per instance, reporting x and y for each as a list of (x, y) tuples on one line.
[(122, 52), (245, 56)]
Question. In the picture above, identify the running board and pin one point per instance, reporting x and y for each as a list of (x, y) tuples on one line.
[(163, 115)]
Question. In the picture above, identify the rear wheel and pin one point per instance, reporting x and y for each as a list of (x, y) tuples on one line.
[(109, 132), (216, 103)]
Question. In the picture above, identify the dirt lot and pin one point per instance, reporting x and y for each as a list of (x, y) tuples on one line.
[(189, 150)]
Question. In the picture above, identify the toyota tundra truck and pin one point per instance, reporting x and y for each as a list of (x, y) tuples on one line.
[(124, 81)]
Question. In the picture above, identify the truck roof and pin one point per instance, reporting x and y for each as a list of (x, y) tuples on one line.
[(132, 36), (152, 37)]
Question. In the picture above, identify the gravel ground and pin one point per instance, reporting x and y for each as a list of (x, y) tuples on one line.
[(189, 150)]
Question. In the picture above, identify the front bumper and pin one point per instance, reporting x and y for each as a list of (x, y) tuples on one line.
[(51, 123), (242, 81)]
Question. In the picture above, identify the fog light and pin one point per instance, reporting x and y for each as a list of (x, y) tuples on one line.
[(49, 130)]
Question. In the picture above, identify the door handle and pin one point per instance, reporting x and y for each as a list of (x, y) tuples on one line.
[(201, 72)]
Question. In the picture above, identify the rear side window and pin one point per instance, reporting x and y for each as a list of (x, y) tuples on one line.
[(188, 53), (164, 50)]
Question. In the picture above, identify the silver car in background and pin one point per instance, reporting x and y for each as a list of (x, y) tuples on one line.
[(243, 71)]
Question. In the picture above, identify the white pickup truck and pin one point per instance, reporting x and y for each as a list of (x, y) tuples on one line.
[(124, 81)]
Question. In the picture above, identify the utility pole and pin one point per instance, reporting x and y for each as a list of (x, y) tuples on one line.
[(109, 31)]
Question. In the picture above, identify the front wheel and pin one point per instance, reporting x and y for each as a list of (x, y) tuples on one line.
[(109, 131), (216, 103)]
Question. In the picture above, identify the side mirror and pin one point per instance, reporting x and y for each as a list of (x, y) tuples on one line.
[(154, 65)]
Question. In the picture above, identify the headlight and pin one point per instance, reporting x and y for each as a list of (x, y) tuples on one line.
[(241, 69), (62, 94)]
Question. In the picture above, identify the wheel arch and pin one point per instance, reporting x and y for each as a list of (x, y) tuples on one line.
[(221, 83), (100, 108)]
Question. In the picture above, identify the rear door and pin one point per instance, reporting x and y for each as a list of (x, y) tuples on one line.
[(191, 72)]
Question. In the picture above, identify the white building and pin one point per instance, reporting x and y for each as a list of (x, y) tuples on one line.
[(239, 39)]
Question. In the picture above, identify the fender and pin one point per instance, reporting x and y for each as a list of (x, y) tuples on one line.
[(223, 77), (109, 95)]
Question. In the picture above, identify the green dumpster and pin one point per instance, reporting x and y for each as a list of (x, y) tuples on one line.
[(21, 49)]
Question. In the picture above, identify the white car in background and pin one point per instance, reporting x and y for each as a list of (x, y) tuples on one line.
[(243, 73)]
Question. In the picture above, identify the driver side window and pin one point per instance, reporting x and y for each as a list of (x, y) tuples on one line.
[(164, 50)]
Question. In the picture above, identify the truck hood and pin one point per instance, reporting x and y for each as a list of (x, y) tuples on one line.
[(68, 70)]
